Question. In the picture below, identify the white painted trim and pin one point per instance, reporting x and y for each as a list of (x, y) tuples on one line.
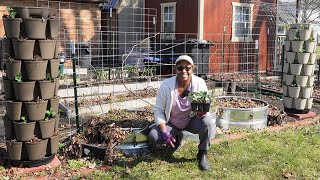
[(169, 4), (241, 39), (200, 18)]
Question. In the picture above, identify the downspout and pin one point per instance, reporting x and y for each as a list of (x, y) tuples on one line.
[(297, 10), (200, 18)]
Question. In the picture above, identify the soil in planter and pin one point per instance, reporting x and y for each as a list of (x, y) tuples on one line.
[(238, 103)]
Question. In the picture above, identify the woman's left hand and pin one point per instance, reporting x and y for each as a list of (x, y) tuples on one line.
[(201, 114)]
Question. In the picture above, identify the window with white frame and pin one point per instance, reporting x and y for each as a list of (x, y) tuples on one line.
[(168, 19), (242, 22)]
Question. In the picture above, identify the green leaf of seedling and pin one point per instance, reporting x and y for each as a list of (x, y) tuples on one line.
[(23, 119), (18, 77), (61, 146)]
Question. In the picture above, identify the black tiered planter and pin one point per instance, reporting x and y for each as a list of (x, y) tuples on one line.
[(31, 60)]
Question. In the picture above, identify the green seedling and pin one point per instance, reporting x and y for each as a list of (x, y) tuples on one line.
[(23, 119), (294, 84), (286, 26), (11, 12), (199, 97), (149, 71), (49, 77), (302, 50), (311, 39), (18, 77), (101, 74), (61, 146), (49, 113), (297, 37), (61, 75)]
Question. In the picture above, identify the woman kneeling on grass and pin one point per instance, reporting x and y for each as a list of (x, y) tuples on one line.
[(172, 111)]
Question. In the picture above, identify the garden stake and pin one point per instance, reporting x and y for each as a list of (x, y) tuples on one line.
[(109, 48), (74, 59), (282, 62), (318, 71), (257, 65)]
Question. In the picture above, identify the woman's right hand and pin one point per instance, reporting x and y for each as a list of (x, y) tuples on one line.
[(168, 139)]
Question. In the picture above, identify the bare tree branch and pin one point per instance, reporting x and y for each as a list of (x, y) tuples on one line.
[(310, 8)]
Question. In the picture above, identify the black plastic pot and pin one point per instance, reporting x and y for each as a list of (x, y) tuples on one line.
[(206, 107), (194, 106)]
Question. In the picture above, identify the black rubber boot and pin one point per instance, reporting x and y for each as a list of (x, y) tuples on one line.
[(178, 138), (203, 161)]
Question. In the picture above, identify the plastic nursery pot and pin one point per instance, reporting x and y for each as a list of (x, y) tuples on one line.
[(53, 145), (47, 128), (12, 27), (206, 107), (37, 150), (194, 106), (24, 131), (200, 107), (14, 150)]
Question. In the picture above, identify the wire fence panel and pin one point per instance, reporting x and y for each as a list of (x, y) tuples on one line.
[(122, 59)]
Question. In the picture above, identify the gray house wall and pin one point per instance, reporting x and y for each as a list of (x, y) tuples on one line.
[(131, 18)]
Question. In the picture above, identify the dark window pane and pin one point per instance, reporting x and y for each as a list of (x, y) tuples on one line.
[(238, 10), (246, 10), (168, 26)]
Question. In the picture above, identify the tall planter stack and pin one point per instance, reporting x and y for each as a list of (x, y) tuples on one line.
[(30, 83), (298, 68)]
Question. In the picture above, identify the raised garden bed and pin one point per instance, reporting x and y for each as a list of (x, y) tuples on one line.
[(242, 112), (110, 98)]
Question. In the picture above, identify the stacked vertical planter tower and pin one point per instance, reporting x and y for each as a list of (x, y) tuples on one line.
[(31, 84), (298, 68)]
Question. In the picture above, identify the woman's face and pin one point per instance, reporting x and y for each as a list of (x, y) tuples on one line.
[(184, 70)]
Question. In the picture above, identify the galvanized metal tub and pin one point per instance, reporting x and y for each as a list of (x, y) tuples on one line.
[(250, 118)]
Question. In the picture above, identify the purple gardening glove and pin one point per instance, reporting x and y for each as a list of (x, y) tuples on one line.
[(168, 139)]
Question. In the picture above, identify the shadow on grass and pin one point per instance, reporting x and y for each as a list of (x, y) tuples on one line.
[(155, 154)]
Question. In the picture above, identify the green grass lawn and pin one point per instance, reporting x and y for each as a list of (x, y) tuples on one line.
[(292, 153)]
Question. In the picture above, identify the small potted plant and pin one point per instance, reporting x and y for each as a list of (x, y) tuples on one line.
[(303, 56), (14, 149), (294, 90), (24, 91), (24, 129), (13, 67), (297, 43), (305, 32), (11, 24), (200, 101), (35, 69), (47, 126), (310, 45), (47, 87), (36, 148)]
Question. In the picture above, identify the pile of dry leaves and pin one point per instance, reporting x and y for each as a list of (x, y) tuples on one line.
[(106, 131)]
